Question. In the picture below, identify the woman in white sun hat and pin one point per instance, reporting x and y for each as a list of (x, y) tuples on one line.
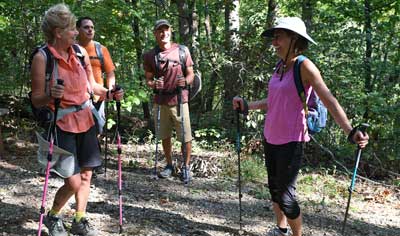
[(285, 129)]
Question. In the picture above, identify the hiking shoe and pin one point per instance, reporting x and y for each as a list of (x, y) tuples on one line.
[(277, 232), (83, 228), (167, 172), (55, 226), (185, 176)]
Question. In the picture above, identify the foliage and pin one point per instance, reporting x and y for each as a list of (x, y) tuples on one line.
[(367, 86)]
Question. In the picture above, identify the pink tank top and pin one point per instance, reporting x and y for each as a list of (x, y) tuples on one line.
[(285, 121)]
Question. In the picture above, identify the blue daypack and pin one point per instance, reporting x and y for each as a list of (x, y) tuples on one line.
[(315, 111)]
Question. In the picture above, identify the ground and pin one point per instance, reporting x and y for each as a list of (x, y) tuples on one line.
[(208, 206)]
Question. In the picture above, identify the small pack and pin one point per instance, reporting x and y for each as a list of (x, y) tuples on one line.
[(315, 111)]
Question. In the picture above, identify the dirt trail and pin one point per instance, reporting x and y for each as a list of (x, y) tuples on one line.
[(166, 207)]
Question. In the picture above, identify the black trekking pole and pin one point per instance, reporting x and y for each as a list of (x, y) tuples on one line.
[(119, 149), (106, 139), (49, 158), (157, 130), (362, 128), (238, 137), (180, 113)]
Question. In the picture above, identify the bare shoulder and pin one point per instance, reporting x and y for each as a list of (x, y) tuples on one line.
[(309, 71)]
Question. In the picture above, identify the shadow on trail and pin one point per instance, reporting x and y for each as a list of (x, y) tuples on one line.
[(171, 223)]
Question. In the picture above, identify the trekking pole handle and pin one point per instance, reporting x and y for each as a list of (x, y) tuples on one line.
[(58, 100)]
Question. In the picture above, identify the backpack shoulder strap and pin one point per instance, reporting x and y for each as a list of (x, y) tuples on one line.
[(298, 81), (182, 58), (157, 51), (79, 54), (99, 54)]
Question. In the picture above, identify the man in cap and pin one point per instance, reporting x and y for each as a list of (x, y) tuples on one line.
[(285, 129), (169, 79)]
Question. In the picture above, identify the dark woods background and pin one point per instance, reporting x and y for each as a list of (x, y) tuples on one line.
[(358, 54)]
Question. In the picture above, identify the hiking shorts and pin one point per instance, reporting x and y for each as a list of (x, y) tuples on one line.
[(169, 119), (283, 163), (84, 146)]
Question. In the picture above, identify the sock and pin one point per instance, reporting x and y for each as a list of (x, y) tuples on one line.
[(284, 230), (78, 216), (53, 212)]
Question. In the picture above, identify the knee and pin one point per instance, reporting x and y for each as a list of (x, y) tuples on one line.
[(290, 208), (73, 183)]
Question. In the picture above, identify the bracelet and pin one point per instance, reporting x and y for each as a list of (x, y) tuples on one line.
[(351, 134)]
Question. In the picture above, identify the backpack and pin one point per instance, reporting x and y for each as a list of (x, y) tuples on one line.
[(315, 111), (195, 87), (44, 115), (99, 54)]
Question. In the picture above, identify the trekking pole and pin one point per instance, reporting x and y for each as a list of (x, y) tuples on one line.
[(119, 149), (106, 139), (180, 113), (49, 158), (238, 137), (157, 131), (362, 128)]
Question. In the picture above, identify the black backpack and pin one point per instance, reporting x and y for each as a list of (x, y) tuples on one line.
[(44, 115)]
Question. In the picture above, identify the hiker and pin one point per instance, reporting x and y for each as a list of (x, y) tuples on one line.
[(101, 62), (75, 131), (285, 130), (166, 78)]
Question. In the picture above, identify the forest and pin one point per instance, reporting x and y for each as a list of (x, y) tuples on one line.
[(357, 52)]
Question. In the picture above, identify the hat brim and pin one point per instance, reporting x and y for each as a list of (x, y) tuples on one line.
[(269, 33), (158, 26)]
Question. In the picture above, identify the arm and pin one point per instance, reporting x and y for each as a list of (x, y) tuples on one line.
[(38, 74), (311, 75), (255, 105), (110, 78)]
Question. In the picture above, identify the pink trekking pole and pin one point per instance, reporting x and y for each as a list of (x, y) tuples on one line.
[(49, 158)]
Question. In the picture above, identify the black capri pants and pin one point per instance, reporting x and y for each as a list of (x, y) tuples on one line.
[(283, 163)]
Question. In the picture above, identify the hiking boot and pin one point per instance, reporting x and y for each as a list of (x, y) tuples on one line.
[(55, 225), (185, 175), (83, 228), (167, 172), (277, 232)]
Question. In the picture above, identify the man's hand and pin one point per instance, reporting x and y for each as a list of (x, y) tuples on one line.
[(181, 82), (159, 83)]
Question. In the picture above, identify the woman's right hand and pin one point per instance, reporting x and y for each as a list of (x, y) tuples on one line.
[(57, 91)]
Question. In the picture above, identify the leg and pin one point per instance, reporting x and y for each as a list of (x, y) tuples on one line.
[(281, 220), (188, 152), (70, 187), (296, 225), (167, 146), (82, 196)]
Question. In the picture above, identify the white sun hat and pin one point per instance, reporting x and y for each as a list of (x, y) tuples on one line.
[(294, 24)]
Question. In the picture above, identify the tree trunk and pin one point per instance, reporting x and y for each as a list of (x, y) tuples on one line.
[(307, 13), (139, 49), (368, 51), (232, 69)]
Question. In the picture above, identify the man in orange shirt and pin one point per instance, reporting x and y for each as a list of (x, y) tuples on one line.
[(100, 60)]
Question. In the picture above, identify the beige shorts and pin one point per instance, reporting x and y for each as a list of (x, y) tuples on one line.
[(169, 119)]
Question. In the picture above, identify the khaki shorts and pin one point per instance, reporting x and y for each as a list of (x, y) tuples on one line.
[(170, 119)]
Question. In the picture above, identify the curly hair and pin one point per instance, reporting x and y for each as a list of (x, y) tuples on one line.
[(57, 16)]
